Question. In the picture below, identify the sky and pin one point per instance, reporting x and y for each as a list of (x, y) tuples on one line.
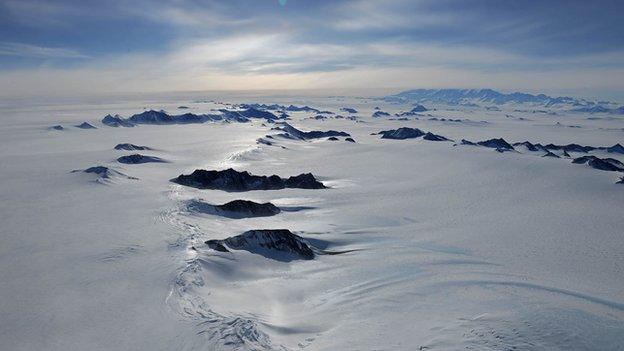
[(65, 47)]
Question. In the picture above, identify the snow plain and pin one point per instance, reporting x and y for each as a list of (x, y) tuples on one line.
[(454, 247)]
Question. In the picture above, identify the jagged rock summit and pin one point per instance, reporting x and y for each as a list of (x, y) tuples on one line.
[(435, 137), (530, 146), (496, 143), (103, 173), (603, 164), (415, 111), (379, 114), (234, 181), (235, 209), (401, 133), (85, 125), (163, 118), (278, 244), (135, 159), (550, 154), (116, 121), (617, 148), (131, 147), (294, 133)]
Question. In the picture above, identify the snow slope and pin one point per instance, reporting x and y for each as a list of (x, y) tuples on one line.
[(442, 247)]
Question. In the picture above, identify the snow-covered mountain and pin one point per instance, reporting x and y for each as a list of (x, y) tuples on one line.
[(480, 96), (600, 109)]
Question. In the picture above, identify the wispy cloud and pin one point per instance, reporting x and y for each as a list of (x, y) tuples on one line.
[(186, 14), (240, 43), (364, 15), (39, 52), (40, 14)]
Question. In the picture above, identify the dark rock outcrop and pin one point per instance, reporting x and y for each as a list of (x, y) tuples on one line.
[(256, 113), (217, 245), (293, 108), (499, 143), (233, 116), (303, 181), (571, 148), (419, 108), (116, 121), (444, 119), (235, 209), (318, 117), (617, 148), (138, 159), (250, 208), (191, 118), (379, 114), (350, 140), (603, 164), (151, 117), (349, 110), (264, 142), (402, 133), (434, 137), (272, 107), (295, 133), (131, 147), (278, 244), (233, 181), (530, 146), (57, 127), (103, 173), (550, 154), (85, 125), (332, 139), (163, 118)]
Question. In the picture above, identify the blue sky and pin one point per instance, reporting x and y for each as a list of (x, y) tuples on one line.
[(68, 46)]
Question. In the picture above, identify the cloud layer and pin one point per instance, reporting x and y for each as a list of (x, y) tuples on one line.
[(120, 45)]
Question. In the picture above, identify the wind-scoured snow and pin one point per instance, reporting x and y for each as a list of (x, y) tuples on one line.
[(413, 245)]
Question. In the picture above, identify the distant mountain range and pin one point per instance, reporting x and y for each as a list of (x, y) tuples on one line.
[(600, 109), (489, 96)]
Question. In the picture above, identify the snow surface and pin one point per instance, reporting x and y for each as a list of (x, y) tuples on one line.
[(448, 247)]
